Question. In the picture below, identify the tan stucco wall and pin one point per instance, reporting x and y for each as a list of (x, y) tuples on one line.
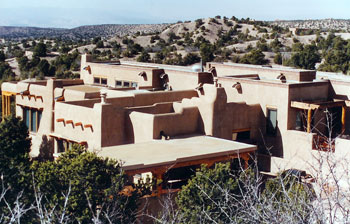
[(263, 72)]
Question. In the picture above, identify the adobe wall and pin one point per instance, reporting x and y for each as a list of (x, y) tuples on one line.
[(107, 122), (263, 72), (142, 127), (118, 72), (40, 97), (253, 92), (179, 123), (143, 99), (219, 118), (180, 80), (77, 114)]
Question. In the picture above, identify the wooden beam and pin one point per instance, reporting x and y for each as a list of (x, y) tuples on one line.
[(303, 105), (60, 120), (317, 105), (6, 93), (309, 118), (88, 126), (8, 105), (39, 97), (343, 119), (324, 105), (3, 106), (78, 124)]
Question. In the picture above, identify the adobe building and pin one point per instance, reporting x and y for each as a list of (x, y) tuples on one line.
[(161, 119)]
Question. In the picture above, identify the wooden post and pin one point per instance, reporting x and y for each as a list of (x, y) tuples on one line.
[(159, 176), (309, 118), (8, 105), (245, 157), (343, 117), (3, 106)]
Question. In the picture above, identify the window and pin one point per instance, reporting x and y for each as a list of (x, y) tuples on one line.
[(241, 135), (118, 83), (32, 118), (100, 81), (125, 84), (33, 124), (96, 80), (103, 81), (63, 145), (271, 123), (26, 116)]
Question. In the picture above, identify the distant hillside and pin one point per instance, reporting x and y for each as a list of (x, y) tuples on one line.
[(323, 24), (80, 32)]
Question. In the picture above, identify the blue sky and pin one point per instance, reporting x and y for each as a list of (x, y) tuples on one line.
[(73, 13)]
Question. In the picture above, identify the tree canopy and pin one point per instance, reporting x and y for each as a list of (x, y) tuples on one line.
[(94, 183), (40, 50)]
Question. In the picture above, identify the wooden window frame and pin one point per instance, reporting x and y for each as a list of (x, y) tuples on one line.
[(269, 130), (38, 117)]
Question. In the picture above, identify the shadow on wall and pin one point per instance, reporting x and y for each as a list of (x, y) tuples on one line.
[(274, 144), (271, 145), (46, 150)]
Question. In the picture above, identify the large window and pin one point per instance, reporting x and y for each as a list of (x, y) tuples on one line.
[(32, 118), (271, 122)]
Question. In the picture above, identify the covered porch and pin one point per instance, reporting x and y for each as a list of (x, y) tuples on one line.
[(329, 124), (161, 157)]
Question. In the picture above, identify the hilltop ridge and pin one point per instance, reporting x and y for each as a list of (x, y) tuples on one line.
[(110, 30), (81, 32)]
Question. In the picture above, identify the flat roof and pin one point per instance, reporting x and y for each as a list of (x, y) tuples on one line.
[(160, 66), (84, 88), (276, 68), (168, 152)]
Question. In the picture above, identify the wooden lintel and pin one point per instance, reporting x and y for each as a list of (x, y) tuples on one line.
[(240, 130), (332, 104), (69, 122), (78, 124), (304, 106), (6, 93), (317, 105), (83, 143), (60, 120)]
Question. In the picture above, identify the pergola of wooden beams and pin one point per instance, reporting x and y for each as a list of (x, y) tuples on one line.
[(160, 170), (314, 105)]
